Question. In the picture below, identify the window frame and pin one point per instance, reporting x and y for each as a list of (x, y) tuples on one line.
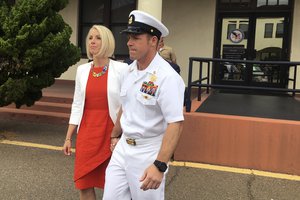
[(277, 34), (266, 33)]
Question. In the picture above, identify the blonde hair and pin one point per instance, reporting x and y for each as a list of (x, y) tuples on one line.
[(108, 42)]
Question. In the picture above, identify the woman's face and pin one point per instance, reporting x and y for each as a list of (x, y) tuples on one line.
[(94, 41)]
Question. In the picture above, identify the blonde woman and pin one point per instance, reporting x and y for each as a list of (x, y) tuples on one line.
[(94, 111)]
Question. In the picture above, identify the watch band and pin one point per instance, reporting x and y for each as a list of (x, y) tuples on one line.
[(161, 166)]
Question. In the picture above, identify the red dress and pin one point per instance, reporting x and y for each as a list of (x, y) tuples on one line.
[(93, 138)]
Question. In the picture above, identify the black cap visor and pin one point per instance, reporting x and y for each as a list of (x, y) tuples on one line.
[(140, 28), (133, 30)]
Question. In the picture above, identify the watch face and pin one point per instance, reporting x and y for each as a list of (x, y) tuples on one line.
[(236, 36), (161, 166)]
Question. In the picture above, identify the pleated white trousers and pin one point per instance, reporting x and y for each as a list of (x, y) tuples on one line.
[(126, 167)]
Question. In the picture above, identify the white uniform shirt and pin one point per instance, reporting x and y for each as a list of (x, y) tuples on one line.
[(151, 99)]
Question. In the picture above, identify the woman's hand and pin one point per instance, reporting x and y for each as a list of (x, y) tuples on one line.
[(113, 142), (67, 147)]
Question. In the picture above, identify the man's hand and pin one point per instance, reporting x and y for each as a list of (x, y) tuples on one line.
[(151, 178)]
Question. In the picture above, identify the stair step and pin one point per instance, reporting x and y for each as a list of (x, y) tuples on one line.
[(53, 107), (56, 99), (45, 106), (34, 115), (36, 112)]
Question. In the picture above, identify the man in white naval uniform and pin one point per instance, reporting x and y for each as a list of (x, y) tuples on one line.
[(151, 119)]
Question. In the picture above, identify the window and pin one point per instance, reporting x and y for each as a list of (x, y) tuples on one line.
[(235, 3), (272, 2), (261, 3), (230, 28), (268, 30), (110, 13), (279, 30), (244, 28), (283, 2), (252, 4)]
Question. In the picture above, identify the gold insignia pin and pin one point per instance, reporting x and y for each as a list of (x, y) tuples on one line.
[(146, 97), (130, 19), (153, 78)]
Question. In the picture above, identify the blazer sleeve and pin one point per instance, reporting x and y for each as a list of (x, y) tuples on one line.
[(114, 87), (77, 105)]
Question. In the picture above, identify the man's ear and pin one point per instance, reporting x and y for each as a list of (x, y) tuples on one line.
[(154, 41)]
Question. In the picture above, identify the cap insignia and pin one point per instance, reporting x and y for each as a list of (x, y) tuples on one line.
[(130, 20)]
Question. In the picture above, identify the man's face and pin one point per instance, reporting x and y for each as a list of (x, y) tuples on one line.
[(139, 45)]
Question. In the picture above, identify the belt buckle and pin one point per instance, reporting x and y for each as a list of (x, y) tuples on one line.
[(131, 141)]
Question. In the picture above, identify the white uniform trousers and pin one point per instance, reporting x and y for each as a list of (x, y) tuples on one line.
[(126, 167)]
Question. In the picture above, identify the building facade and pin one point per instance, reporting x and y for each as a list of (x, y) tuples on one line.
[(267, 30)]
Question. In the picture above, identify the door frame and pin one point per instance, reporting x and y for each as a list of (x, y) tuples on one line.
[(250, 53)]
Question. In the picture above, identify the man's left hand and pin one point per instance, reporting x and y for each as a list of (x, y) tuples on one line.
[(151, 178)]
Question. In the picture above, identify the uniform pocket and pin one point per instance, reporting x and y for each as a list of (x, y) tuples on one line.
[(146, 99)]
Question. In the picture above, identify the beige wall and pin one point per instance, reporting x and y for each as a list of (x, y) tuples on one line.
[(70, 15), (152, 7), (295, 49), (259, 35), (191, 26)]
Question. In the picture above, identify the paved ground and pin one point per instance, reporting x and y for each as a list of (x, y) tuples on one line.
[(30, 173)]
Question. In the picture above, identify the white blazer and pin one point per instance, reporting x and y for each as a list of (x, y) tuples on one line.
[(113, 88)]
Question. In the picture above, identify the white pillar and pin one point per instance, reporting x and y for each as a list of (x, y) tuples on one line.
[(153, 7)]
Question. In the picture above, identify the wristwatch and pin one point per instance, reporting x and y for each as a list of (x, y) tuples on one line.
[(161, 166)]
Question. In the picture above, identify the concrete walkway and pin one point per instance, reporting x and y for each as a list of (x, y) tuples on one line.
[(29, 170)]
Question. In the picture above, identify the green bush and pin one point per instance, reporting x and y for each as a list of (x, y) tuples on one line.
[(35, 49)]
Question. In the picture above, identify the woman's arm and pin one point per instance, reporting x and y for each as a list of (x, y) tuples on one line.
[(68, 141)]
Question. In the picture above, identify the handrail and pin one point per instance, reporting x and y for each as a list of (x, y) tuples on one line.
[(198, 83), (244, 61)]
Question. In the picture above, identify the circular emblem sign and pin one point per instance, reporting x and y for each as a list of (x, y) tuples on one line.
[(236, 36)]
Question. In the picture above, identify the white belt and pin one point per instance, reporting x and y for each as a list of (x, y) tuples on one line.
[(140, 141)]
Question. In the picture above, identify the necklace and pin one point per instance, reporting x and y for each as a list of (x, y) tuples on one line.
[(96, 75)]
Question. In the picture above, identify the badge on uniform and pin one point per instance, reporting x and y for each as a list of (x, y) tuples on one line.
[(149, 88)]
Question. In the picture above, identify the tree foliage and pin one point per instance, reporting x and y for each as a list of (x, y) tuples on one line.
[(35, 49)]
